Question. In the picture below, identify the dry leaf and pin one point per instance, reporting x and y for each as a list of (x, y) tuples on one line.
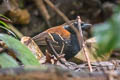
[(91, 50), (32, 46)]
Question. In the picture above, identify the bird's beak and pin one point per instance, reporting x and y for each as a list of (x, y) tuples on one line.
[(86, 26)]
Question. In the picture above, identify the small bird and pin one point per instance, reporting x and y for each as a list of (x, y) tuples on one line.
[(63, 38)]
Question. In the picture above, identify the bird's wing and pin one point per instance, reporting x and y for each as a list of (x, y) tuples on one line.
[(40, 38)]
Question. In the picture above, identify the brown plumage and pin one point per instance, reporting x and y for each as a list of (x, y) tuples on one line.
[(40, 38)]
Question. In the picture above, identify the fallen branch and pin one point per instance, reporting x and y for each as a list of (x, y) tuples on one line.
[(47, 72), (83, 45)]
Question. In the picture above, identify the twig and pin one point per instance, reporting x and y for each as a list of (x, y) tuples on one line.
[(43, 11), (83, 44), (63, 45), (62, 48), (54, 52)]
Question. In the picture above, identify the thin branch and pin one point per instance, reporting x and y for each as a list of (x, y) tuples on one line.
[(51, 48), (43, 11), (83, 45), (62, 48), (63, 45)]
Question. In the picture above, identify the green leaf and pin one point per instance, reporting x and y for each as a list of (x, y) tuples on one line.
[(4, 24), (5, 17), (105, 37), (115, 22), (9, 31), (108, 34), (7, 61), (21, 51)]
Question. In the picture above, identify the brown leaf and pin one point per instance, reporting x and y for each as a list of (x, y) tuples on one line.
[(92, 53), (32, 46), (49, 58)]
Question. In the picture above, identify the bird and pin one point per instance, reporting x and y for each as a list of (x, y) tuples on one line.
[(62, 37)]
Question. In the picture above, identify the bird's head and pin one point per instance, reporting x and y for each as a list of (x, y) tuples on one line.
[(84, 26)]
